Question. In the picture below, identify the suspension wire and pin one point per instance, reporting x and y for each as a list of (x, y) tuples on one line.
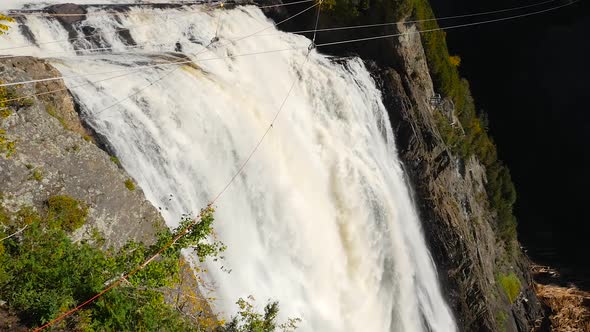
[(283, 4), (317, 20), (143, 67), (118, 29), (195, 220), (274, 25), (91, 50), (323, 44), (279, 50), (66, 89), (443, 18), (218, 21), (58, 41), (102, 80), (199, 217), (169, 63), (141, 44), (450, 27), (161, 77), (14, 13), (247, 160)]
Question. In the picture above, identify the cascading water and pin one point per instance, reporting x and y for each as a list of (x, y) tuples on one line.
[(320, 220)]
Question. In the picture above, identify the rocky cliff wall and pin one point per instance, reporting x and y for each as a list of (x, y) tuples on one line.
[(451, 194), (55, 154)]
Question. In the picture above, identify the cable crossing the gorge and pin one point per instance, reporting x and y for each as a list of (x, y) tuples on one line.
[(94, 34), (134, 68), (209, 205)]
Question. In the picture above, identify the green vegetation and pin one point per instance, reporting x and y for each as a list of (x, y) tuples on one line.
[(5, 112), (7, 105), (365, 11), (50, 109), (501, 318), (475, 141), (36, 175), (66, 212), (43, 274), (510, 284), (116, 161), (10, 99), (345, 9), (7, 147), (248, 320), (4, 27), (130, 185)]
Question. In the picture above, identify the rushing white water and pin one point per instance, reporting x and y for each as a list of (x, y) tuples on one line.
[(321, 218)]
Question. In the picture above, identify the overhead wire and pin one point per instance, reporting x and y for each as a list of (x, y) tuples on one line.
[(161, 77), (282, 4), (90, 51), (215, 39), (168, 63), (28, 13), (363, 26), (140, 68), (135, 46), (449, 27), (58, 41), (126, 28), (443, 18), (196, 219), (271, 51)]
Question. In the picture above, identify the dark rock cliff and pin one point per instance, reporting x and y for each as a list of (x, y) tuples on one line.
[(452, 199)]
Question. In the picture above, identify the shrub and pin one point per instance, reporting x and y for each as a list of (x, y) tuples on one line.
[(130, 185), (248, 320), (50, 109), (5, 112), (116, 161), (455, 60), (44, 273), (510, 284), (37, 175), (4, 27), (501, 318), (475, 140), (7, 104), (65, 212)]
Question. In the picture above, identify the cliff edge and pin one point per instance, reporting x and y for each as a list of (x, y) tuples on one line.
[(54, 154), (474, 264)]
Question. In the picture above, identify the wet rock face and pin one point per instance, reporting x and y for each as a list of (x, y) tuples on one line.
[(55, 156), (452, 199), (70, 13)]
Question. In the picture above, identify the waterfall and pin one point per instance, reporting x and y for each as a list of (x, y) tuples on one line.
[(320, 219)]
